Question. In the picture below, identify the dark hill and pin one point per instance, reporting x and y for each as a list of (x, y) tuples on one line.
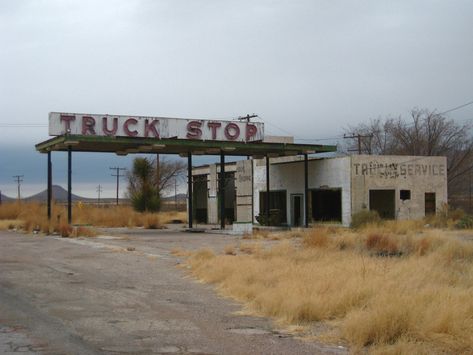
[(59, 194)]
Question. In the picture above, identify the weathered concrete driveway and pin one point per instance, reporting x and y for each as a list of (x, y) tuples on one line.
[(89, 296)]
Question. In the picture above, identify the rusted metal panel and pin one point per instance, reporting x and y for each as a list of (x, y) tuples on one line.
[(61, 123)]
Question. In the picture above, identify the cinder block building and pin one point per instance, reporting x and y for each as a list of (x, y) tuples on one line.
[(398, 187)]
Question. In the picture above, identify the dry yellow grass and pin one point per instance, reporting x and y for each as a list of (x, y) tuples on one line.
[(33, 217), (419, 301)]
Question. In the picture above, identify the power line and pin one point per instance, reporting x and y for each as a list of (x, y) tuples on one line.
[(456, 108), (118, 176), (19, 180)]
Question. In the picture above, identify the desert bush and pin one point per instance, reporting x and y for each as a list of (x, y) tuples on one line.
[(250, 248), (31, 215), (465, 222), (420, 303), (383, 244), (316, 238), (364, 217), (65, 230), (229, 250), (152, 221), (445, 217)]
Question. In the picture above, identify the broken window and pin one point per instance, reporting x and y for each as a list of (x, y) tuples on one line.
[(405, 195)]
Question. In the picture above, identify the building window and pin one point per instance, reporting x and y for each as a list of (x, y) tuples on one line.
[(405, 195), (327, 205), (277, 200)]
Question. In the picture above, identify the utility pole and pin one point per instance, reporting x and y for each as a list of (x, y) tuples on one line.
[(99, 190), (118, 176), (19, 180), (247, 117), (158, 174), (469, 187), (175, 192), (359, 137)]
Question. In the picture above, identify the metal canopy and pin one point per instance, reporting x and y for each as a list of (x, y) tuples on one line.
[(126, 145), (184, 147)]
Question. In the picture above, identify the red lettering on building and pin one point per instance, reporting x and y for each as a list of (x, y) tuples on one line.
[(193, 130), (250, 131), (67, 119), (88, 125), (126, 127), (109, 132), (236, 131), (213, 127), (151, 127)]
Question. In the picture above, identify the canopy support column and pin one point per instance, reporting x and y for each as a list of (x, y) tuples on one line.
[(268, 200), (222, 190), (189, 188), (69, 185), (306, 191), (50, 185)]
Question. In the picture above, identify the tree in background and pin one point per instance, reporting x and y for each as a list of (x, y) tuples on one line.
[(169, 171), (424, 133), (145, 185), (142, 190)]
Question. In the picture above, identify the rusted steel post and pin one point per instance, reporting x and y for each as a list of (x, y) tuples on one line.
[(268, 199), (222, 190), (306, 190), (69, 185), (189, 187), (50, 185)]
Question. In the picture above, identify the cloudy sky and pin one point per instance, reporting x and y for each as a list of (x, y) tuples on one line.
[(308, 68)]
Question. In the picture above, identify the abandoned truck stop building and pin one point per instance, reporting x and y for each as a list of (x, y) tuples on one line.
[(397, 187), (279, 182)]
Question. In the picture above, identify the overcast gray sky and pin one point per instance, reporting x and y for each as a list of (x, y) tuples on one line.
[(310, 68)]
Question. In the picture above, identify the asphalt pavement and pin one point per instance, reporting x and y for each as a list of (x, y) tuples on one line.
[(122, 293)]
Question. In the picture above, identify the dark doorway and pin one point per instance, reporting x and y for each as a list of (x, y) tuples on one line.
[(296, 210), (430, 203), (230, 198), (382, 201), (327, 205), (199, 198), (277, 205)]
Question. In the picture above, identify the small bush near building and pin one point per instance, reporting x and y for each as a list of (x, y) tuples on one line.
[(364, 217), (466, 222), (275, 218)]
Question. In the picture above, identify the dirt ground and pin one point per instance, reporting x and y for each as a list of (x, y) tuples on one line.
[(123, 293)]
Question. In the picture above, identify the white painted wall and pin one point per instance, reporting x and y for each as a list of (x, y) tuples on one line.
[(330, 173)]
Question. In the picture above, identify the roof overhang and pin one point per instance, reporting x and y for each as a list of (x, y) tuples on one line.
[(128, 145)]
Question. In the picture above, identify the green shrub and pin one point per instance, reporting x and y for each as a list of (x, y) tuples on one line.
[(364, 217), (275, 218), (466, 222)]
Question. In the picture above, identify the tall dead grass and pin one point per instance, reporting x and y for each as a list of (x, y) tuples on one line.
[(32, 216), (415, 299)]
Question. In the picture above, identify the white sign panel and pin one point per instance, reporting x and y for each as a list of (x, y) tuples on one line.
[(153, 127)]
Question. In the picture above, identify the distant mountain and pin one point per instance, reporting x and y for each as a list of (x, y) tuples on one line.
[(4, 198), (59, 195), (180, 198)]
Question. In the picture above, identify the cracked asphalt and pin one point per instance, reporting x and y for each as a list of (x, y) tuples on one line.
[(122, 293)]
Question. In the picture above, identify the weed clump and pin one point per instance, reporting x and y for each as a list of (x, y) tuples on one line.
[(465, 222), (364, 217), (383, 245), (316, 238), (419, 303)]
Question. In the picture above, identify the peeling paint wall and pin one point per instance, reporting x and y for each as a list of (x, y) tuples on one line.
[(324, 173), (416, 174)]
